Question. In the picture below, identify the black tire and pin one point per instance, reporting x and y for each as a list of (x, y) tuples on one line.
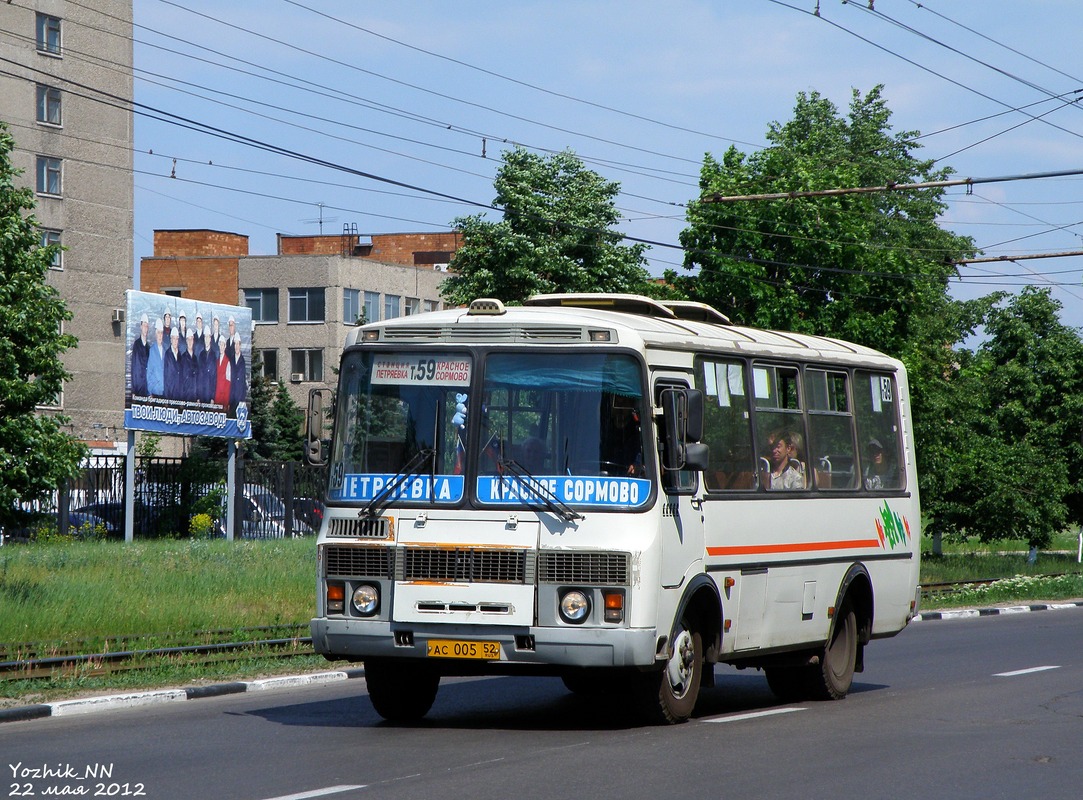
[(401, 690), (832, 677), (672, 691)]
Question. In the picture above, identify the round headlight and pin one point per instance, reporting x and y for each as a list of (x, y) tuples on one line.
[(366, 599), (574, 606)]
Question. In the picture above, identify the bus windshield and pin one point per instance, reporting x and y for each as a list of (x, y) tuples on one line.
[(539, 427), (398, 423)]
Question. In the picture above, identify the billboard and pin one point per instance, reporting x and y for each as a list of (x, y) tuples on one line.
[(187, 366)]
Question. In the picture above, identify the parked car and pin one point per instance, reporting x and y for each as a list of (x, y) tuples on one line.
[(148, 520), (308, 510), (81, 525), (263, 515)]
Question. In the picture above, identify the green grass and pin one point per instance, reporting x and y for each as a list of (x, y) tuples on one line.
[(98, 590), (1017, 580)]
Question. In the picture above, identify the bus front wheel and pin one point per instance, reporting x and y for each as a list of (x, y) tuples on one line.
[(672, 691), (401, 690)]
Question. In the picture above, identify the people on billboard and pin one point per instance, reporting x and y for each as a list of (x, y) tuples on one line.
[(140, 353), (172, 366), (156, 362), (208, 369)]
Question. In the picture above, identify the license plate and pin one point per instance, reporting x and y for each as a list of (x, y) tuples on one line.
[(456, 648)]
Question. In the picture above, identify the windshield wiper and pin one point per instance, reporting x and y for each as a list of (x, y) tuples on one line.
[(411, 468), (539, 489)]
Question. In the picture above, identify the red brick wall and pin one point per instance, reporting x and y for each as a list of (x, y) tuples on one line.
[(330, 245), (399, 248), (199, 243), (203, 264), (394, 248)]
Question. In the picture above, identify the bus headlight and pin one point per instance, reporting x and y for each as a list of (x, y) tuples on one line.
[(574, 606), (366, 599)]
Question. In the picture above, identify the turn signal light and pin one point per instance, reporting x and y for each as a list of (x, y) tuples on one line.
[(614, 606), (336, 598)]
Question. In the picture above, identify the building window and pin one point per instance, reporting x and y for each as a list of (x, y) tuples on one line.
[(372, 306), (49, 105), (307, 305), (413, 306), (391, 306), (266, 362), (264, 304), (306, 365), (51, 237), (48, 34), (351, 306), (432, 305), (49, 181)]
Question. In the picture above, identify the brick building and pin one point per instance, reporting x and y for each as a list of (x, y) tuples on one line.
[(305, 296)]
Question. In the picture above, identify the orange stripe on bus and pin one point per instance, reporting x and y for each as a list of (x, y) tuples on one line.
[(799, 547)]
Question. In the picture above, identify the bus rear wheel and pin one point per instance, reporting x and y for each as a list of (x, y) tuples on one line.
[(832, 677), (401, 690), (831, 674), (671, 692)]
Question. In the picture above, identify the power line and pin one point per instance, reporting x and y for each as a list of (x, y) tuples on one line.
[(890, 187)]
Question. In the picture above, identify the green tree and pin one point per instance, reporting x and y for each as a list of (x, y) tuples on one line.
[(865, 267), (557, 235), (36, 456), (1019, 473), (287, 422)]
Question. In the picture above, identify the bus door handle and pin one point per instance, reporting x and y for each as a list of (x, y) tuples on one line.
[(696, 502)]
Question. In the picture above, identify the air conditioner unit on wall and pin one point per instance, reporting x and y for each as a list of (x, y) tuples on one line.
[(118, 315), (297, 377)]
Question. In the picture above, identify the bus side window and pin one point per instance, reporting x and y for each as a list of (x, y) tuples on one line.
[(727, 428), (831, 435), (780, 428), (876, 402)]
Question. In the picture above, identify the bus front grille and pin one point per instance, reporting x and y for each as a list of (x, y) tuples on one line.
[(465, 565), (604, 569), (361, 528), (359, 562)]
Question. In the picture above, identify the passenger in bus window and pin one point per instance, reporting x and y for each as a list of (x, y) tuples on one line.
[(623, 446), (879, 474), (797, 455), (784, 472), (532, 457)]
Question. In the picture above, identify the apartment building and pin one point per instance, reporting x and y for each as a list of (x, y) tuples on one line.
[(65, 96), (305, 296)]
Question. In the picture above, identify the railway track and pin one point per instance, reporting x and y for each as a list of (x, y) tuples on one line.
[(37, 660)]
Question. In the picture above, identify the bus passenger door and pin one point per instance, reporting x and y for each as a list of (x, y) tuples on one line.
[(682, 538)]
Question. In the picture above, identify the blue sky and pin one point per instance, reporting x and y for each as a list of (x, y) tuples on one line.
[(416, 100)]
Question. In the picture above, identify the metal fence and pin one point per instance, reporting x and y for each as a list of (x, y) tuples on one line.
[(273, 499)]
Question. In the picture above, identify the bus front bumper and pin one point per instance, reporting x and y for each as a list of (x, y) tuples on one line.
[(536, 646)]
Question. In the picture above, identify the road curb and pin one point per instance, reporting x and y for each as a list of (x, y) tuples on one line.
[(968, 613), (89, 705)]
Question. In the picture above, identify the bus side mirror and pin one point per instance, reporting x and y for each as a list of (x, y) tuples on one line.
[(314, 452), (682, 415)]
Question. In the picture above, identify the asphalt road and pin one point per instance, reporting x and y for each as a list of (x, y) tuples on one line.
[(972, 708)]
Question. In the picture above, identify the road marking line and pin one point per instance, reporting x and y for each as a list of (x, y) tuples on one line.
[(1022, 672), (753, 715), (317, 792)]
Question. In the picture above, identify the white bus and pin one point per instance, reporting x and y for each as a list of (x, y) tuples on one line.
[(613, 490)]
